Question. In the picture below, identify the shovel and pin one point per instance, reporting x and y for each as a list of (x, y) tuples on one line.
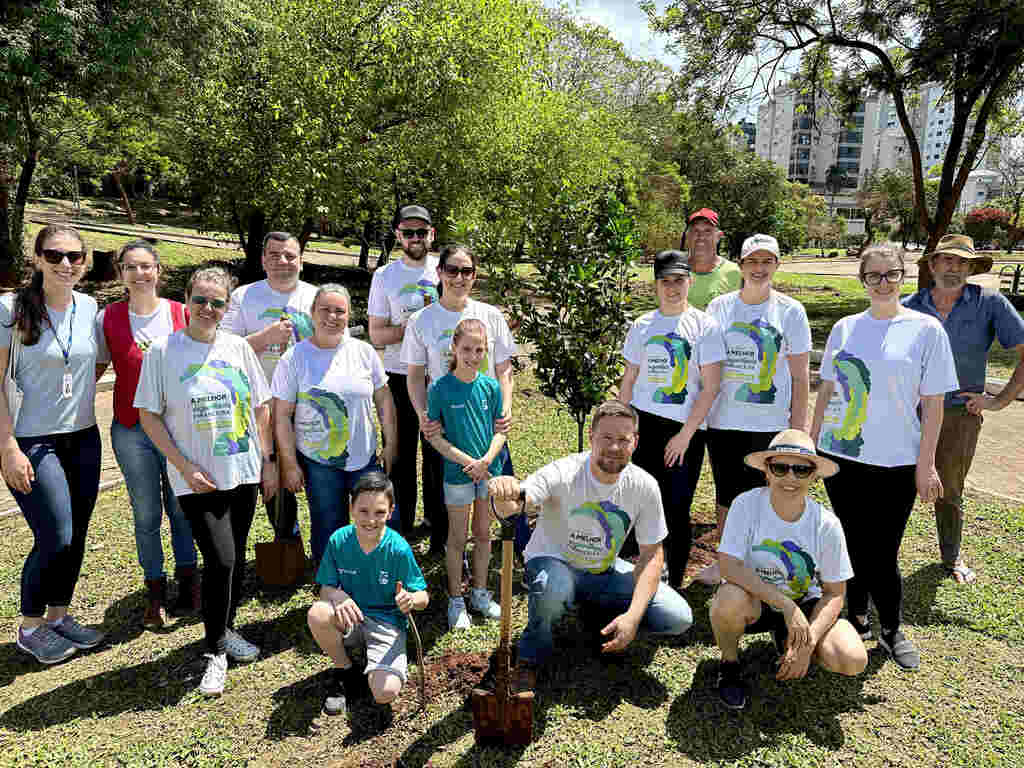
[(503, 716)]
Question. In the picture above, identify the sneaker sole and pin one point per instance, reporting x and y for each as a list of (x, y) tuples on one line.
[(83, 646), (41, 660), (243, 659), (899, 665), (211, 694)]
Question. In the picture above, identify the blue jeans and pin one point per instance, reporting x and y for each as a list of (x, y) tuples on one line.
[(327, 493), (57, 509), (555, 585), (145, 474)]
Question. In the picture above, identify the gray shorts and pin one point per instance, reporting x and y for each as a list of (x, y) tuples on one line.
[(464, 493), (385, 646)]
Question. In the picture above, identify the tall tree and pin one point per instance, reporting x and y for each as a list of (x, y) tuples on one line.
[(973, 48)]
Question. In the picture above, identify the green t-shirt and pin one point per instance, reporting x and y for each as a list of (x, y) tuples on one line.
[(725, 277), (467, 413)]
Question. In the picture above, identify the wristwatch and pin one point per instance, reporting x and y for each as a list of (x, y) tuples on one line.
[(271, 457)]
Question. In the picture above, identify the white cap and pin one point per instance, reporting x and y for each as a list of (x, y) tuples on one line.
[(759, 243)]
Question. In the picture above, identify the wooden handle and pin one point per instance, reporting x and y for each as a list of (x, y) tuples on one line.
[(506, 592)]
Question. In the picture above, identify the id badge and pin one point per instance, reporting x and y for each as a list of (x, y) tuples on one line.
[(65, 389)]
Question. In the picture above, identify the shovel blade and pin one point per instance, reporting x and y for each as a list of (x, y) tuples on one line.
[(511, 724)]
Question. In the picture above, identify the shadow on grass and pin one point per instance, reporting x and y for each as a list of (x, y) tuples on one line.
[(919, 590), (706, 731)]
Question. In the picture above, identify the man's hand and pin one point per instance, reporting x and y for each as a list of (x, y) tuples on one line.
[(348, 614), (795, 662), (798, 626), (277, 334), (929, 486), (505, 491), (979, 401), (197, 479), (620, 631)]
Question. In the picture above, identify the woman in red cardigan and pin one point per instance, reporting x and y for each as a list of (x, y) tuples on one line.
[(125, 330)]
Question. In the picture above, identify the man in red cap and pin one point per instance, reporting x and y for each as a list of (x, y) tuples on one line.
[(712, 275)]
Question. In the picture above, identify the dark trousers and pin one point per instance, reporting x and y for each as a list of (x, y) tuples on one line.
[(403, 474), (220, 523), (57, 510), (677, 485), (433, 488), (285, 521), (874, 505)]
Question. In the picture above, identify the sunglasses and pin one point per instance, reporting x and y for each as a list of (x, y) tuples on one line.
[(454, 271), (54, 256), (779, 469), (202, 301), (875, 278), (408, 234)]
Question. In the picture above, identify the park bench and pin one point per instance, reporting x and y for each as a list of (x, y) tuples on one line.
[(1011, 283)]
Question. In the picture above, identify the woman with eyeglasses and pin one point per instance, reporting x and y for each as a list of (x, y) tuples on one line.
[(203, 402), (427, 350), (51, 451), (124, 330), (878, 414), (325, 391)]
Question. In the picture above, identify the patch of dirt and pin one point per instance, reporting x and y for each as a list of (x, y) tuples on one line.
[(458, 673)]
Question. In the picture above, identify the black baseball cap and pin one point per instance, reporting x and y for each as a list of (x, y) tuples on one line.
[(671, 263), (413, 212)]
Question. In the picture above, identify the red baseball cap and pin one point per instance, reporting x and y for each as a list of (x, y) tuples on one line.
[(705, 213)]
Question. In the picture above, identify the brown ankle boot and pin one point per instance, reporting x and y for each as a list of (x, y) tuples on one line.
[(155, 599), (190, 597)]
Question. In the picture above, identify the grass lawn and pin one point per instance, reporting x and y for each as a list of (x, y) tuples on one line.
[(133, 701)]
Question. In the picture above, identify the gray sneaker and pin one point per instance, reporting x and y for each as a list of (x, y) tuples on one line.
[(46, 645), (77, 635)]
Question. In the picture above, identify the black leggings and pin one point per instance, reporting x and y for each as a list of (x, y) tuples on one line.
[(220, 523), (874, 505), (403, 474)]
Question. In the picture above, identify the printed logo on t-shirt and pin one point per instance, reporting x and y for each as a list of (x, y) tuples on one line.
[(423, 293), (225, 413), (595, 536), (788, 567), (853, 388), (302, 325), (668, 363), (383, 578), (755, 367), (323, 426), (444, 344)]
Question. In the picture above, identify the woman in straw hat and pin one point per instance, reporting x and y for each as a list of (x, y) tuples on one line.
[(878, 414), (783, 556)]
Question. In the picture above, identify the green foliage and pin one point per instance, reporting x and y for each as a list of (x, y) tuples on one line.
[(575, 311)]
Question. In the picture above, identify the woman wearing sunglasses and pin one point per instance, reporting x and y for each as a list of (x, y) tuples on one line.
[(325, 390), (878, 414), (427, 350), (51, 450), (785, 565), (203, 401), (124, 330)]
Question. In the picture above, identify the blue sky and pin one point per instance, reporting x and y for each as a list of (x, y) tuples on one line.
[(627, 23)]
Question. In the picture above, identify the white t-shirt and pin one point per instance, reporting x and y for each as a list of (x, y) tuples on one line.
[(333, 394), (206, 394), (881, 369), (428, 337), (670, 350), (757, 387), (796, 557), (584, 522), (145, 329), (255, 306), (396, 291)]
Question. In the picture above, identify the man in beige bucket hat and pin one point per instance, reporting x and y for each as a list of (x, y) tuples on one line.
[(784, 561), (973, 317)]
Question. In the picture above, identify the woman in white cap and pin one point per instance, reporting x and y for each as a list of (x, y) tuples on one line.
[(878, 415), (765, 379), (785, 564), (673, 371)]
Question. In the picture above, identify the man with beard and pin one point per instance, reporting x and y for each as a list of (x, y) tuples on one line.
[(973, 317), (587, 503), (273, 315), (396, 291)]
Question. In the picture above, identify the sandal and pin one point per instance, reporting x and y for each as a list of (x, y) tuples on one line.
[(961, 573)]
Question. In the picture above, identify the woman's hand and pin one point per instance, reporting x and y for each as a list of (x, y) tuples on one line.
[(270, 479), (18, 471), (676, 449), (197, 479), (387, 458), (292, 477)]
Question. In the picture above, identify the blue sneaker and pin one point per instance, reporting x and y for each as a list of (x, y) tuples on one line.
[(46, 645), (77, 635)]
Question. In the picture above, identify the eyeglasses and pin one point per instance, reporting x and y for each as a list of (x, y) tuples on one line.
[(55, 256), (409, 234), (202, 301), (875, 278), (779, 469), (138, 267), (453, 270)]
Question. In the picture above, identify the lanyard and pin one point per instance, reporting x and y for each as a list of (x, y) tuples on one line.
[(66, 351)]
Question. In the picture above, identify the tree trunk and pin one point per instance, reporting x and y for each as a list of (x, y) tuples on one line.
[(306, 233), (364, 244), (11, 261), (6, 249), (581, 419), (256, 226)]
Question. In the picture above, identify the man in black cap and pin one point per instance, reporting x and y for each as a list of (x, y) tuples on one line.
[(396, 291)]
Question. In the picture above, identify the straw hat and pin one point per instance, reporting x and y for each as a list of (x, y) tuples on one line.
[(792, 442), (962, 246)]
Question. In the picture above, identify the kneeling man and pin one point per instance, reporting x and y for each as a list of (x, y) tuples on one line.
[(588, 502), (784, 561)]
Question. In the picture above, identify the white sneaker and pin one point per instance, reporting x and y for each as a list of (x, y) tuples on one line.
[(457, 616), (215, 675), (238, 648), (480, 602)]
